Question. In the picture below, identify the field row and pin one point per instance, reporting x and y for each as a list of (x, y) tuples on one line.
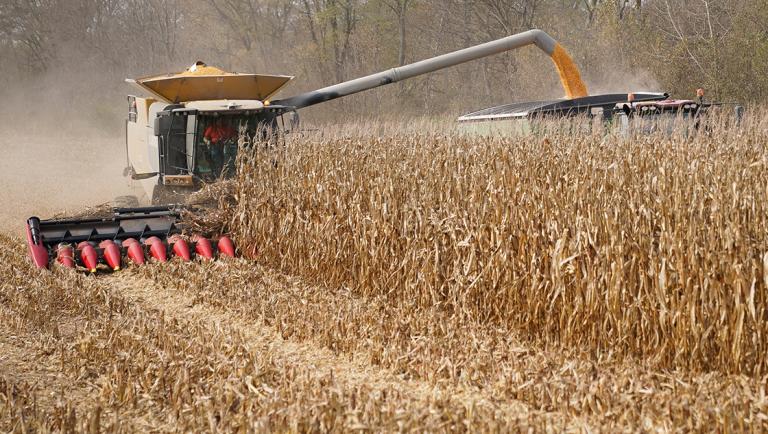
[(175, 346)]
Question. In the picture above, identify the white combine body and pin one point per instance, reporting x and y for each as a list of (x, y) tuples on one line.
[(166, 145)]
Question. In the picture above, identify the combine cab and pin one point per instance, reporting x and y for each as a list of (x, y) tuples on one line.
[(130, 235)]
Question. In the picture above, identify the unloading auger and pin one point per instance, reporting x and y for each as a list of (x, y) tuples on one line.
[(570, 78)]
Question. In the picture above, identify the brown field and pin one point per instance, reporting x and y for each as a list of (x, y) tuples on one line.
[(425, 281)]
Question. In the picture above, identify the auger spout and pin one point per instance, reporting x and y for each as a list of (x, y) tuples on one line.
[(567, 69)]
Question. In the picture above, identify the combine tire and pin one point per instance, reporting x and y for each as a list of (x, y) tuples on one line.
[(125, 202)]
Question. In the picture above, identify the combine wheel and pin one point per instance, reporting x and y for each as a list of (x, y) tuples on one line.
[(125, 202)]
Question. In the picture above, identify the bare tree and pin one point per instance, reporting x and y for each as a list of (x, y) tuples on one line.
[(331, 24), (508, 16), (679, 44), (26, 25), (400, 9), (255, 21), (620, 7)]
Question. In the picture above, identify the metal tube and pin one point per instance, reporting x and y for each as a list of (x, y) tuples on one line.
[(535, 37)]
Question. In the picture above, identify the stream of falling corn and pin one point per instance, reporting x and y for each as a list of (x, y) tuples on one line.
[(569, 73)]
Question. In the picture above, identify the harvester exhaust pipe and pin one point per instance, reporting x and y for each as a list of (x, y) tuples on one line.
[(569, 73)]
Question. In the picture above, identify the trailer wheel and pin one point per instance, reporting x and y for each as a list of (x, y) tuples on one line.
[(125, 202)]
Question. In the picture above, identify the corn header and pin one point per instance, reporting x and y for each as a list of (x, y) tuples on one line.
[(129, 235)]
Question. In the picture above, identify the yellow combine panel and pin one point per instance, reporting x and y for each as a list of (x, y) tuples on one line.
[(204, 83)]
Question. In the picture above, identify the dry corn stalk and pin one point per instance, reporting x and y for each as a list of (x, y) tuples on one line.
[(650, 247)]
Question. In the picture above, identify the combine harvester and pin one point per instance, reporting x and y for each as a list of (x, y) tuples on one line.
[(187, 132)]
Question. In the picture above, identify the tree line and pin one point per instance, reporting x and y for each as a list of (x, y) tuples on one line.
[(671, 45)]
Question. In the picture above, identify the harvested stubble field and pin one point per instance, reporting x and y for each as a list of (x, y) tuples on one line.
[(426, 282)]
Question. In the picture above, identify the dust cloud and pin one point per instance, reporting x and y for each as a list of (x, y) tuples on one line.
[(621, 80), (42, 174), (56, 157), (62, 144)]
